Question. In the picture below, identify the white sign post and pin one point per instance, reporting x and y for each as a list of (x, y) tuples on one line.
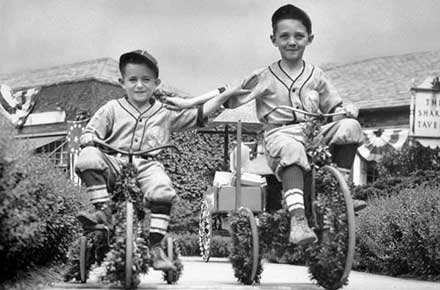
[(425, 113)]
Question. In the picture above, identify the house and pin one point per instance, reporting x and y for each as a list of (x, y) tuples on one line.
[(65, 93), (381, 88)]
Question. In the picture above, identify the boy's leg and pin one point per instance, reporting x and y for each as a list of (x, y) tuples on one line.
[(157, 186), (95, 169), (344, 137), (287, 157), (97, 190), (160, 218), (343, 156), (293, 185)]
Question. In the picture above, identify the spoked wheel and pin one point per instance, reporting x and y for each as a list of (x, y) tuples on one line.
[(173, 253), (205, 230), (245, 256), (83, 259), (331, 258), (129, 247)]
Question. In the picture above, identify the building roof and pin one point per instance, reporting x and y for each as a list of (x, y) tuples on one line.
[(383, 82), (102, 69)]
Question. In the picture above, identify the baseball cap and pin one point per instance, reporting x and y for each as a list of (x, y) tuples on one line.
[(142, 55)]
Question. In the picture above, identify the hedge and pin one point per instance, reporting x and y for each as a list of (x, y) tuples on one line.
[(38, 205), (399, 235)]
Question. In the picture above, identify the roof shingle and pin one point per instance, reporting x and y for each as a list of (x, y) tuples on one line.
[(383, 81), (102, 69)]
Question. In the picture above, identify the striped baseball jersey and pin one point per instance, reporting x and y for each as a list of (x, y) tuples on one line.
[(272, 86), (121, 125)]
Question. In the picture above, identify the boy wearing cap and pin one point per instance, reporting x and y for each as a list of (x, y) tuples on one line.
[(135, 122), (293, 82)]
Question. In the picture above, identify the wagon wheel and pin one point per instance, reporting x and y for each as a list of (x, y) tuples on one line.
[(331, 259), (205, 230), (173, 253), (245, 256)]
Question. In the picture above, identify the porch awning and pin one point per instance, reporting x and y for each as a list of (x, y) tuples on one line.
[(34, 143), (377, 142)]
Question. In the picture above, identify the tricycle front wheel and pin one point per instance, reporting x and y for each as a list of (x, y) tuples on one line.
[(331, 259), (129, 247)]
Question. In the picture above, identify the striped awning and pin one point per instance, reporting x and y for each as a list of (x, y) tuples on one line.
[(377, 142)]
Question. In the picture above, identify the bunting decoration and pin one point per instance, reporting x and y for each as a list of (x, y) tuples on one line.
[(17, 106), (378, 142), (74, 131)]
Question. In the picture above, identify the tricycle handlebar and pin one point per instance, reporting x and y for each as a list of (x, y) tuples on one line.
[(133, 153)]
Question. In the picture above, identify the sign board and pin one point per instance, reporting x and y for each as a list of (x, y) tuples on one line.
[(425, 113)]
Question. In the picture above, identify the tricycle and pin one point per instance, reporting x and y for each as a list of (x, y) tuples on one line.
[(329, 211), (122, 247)]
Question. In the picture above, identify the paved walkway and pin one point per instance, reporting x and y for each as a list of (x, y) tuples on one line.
[(218, 274)]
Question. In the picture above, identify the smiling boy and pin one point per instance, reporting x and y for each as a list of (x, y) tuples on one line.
[(135, 122), (292, 82)]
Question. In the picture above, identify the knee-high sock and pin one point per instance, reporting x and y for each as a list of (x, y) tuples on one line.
[(96, 185), (293, 186), (160, 218), (343, 155)]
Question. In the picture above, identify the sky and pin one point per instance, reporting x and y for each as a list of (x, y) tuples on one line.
[(204, 44)]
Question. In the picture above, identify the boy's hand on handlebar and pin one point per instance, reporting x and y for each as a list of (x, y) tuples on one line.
[(87, 139), (351, 111)]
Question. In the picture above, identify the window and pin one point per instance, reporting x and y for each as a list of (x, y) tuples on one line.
[(57, 153), (372, 172)]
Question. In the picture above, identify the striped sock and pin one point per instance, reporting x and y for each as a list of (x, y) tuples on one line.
[(158, 227), (294, 199), (160, 218), (96, 185)]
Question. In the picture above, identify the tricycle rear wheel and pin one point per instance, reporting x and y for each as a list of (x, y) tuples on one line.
[(83, 258), (173, 254), (205, 231), (245, 254)]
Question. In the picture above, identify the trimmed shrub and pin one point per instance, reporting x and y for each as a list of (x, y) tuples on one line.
[(38, 205), (411, 158), (400, 234), (392, 185)]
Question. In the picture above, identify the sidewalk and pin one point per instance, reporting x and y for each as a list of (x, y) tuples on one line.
[(218, 274)]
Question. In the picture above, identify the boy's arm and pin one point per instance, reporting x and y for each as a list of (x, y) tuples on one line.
[(219, 100), (98, 126), (210, 101), (179, 103), (241, 92)]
